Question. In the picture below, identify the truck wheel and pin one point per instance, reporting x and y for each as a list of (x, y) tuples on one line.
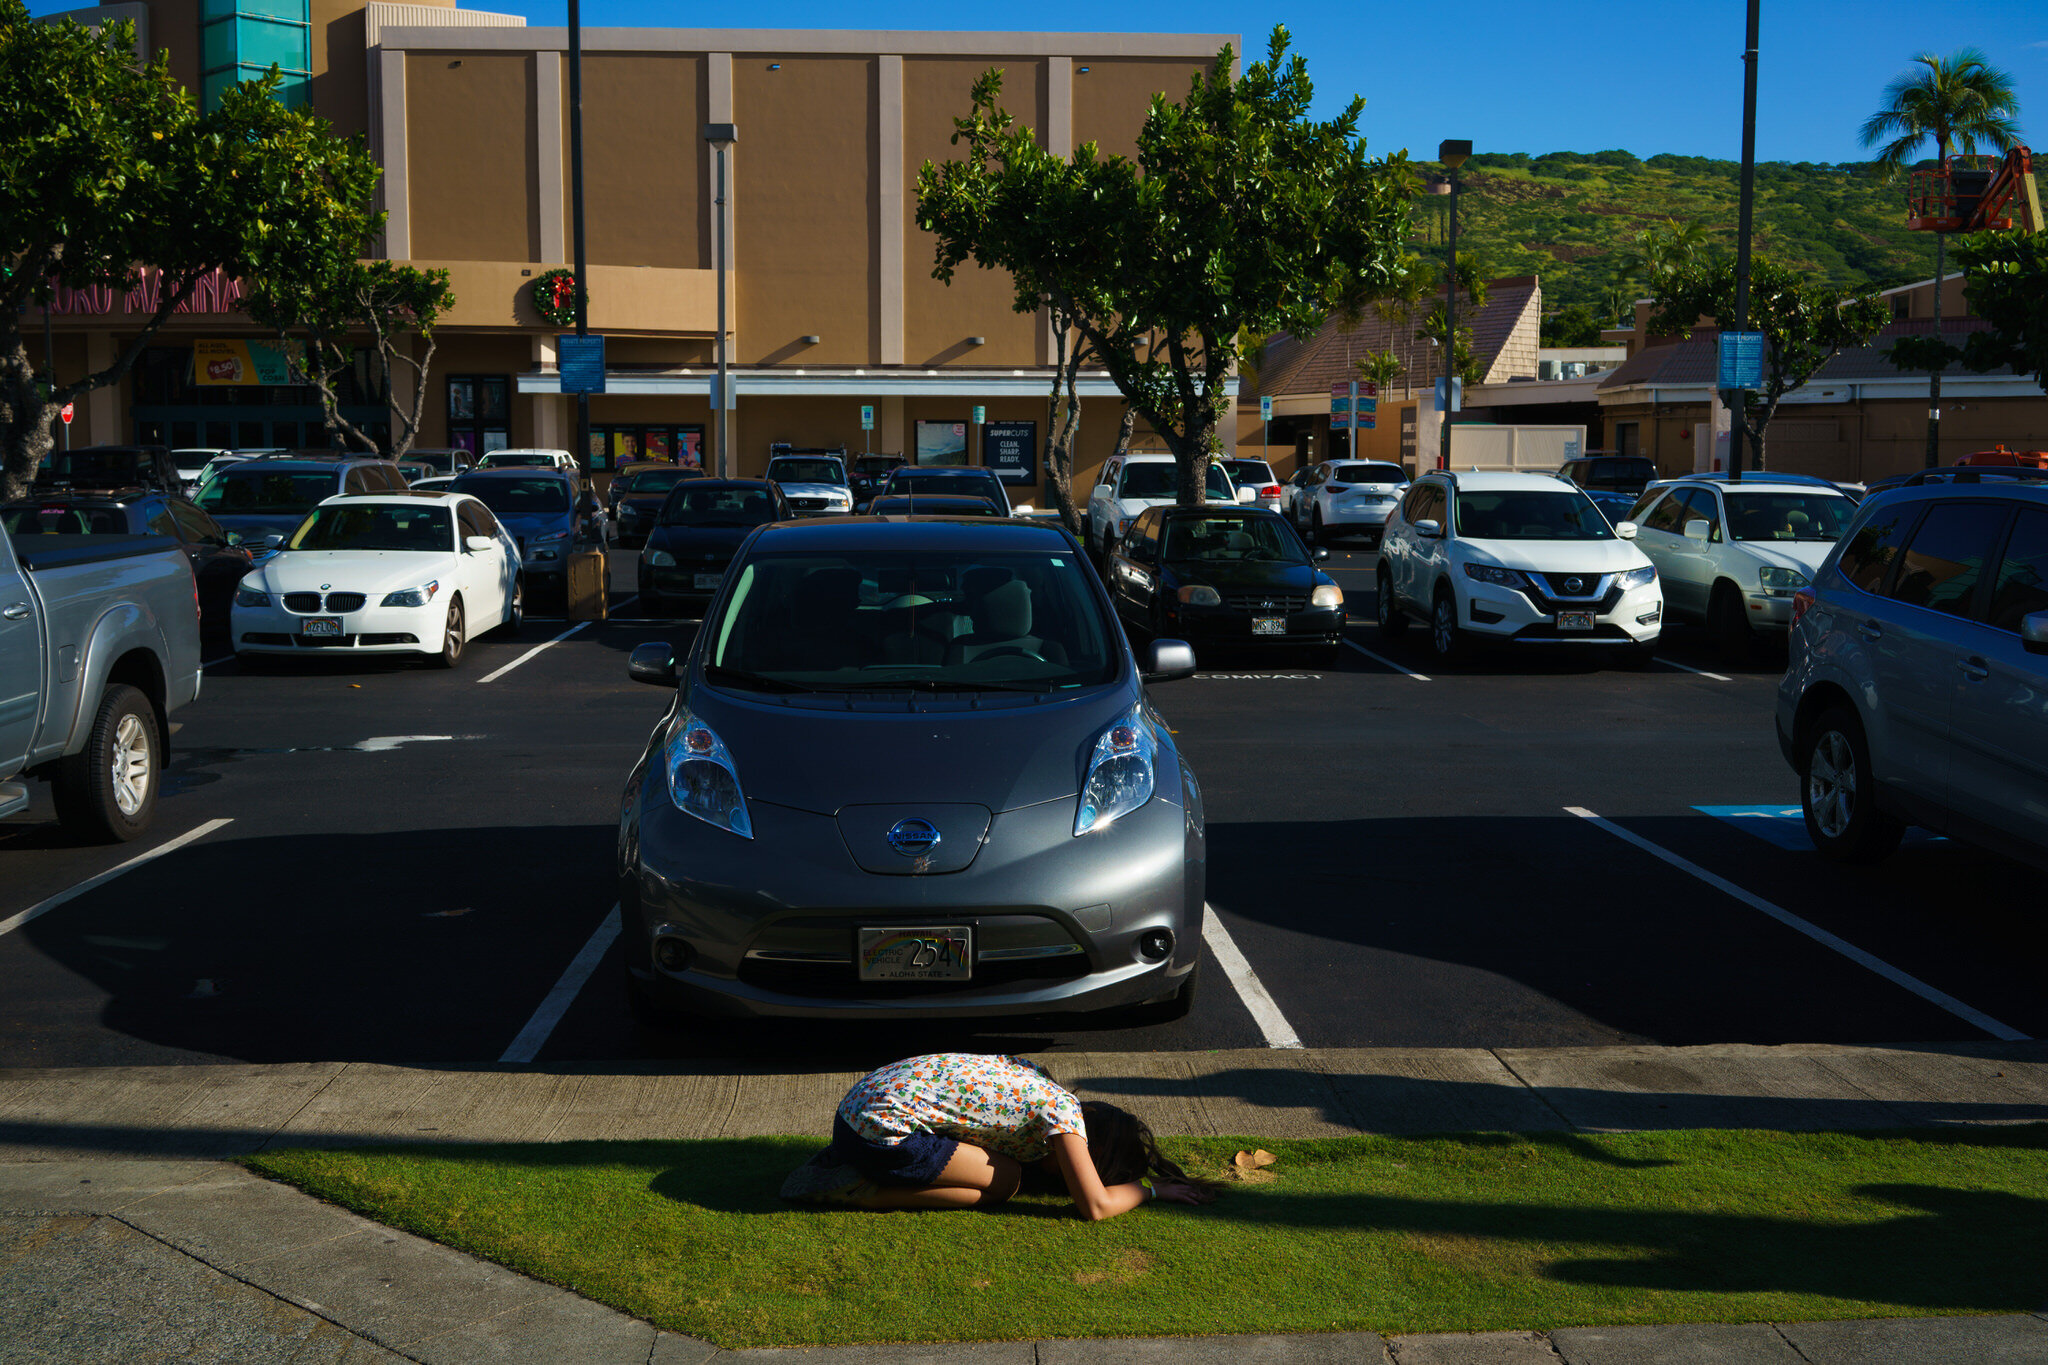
[(107, 790)]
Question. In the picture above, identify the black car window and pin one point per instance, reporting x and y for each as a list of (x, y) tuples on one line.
[(1517, 514), (1945, 560), (157, 521), (249, 492), (375, 526), (1229, 540), (1161, 479), (195, 526), (2021, 588), (1788, 516), (661, 480), (1871, 550), (476, 519), (1667, 515), (694, 503), (798, 469), (1429, 506), (64, 519), (1368, 472), (516, 497), (1411, 506), (1143, 544), (970, 482), (1700, 506)]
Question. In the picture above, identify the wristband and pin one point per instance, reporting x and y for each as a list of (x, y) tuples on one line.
[(1150, 1193)]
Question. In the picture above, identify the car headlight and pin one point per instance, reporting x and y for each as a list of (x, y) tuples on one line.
[(1783, 578), (661, 559), (1200, 595), (551, 538), (1635, 578), (1489, 573), (250, 597), (702, 780), (1119, 772), (413, 597), (1326, 595)]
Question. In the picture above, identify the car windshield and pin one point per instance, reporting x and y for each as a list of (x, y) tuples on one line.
[(659, 480), (1514, 514), (64, 520), (104, 468), (1249, 471), (1624, 472), (715, 505), (953, 505), (1223, 540), (500, 460), (1160, 478), (882, 621), (971, 482), (376, 526), (238, 492), (516, 497), (440, 461), (787, 470), (1788, 516), (1368, 473)]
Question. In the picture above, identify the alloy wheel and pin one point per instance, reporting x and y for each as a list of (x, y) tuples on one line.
[(1443, 625), (1831, 784), (131, 765)]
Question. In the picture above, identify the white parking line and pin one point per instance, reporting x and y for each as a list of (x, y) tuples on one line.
[(13, 922), (534, 1036), (1419, 677), (1975, 1018), (1266, 1013), (495, 674), (1717, 677)]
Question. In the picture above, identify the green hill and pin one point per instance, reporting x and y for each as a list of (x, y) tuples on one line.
[(1572, 217)]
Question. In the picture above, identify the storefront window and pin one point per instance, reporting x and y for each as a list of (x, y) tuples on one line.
[(615, 444), (479, 412)]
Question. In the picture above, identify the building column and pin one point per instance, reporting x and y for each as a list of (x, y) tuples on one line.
[(890, 427), (1059, 140), (103, 404), (547, 113), (554, 426), (392, 189), (890, 209)]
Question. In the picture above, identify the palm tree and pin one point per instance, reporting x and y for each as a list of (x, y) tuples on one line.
[(1380, 369), (1961, 101)]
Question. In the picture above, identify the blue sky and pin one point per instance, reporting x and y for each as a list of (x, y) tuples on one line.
[(1657, 76)]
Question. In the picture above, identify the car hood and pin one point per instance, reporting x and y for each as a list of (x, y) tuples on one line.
[(1237, 578), (644, 502), (536, 523), (1803, 555), (364, 571), (1140, 504), (699, 542), (1558, 556), (816, 755), (814, 490), (255, 525)]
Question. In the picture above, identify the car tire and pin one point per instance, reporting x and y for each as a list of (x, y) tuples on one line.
[(1838, 796), (1393, 621), (454, 637), (509, 629), (1446, 639), (1731, 629), (107, 791), (1315, 526), (1170, 1010)]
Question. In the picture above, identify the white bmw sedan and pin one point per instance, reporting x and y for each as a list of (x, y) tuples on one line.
[(386, 573)]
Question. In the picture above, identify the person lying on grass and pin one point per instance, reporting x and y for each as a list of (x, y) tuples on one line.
[(955, 1130)]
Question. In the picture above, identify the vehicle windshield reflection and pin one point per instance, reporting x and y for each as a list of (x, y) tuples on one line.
[(718, 506), (376, 526), (1788, 516), (1231, 540), (1519, 515)]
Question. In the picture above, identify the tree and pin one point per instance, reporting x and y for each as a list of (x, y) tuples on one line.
[(1572, 325), (1961, 102), (1240, 217), (107, 167), (1805, 325), (1668, 248), (1379, 369), (2007, 286)]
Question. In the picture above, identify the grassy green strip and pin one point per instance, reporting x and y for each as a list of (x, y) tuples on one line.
[(1394, 1235)]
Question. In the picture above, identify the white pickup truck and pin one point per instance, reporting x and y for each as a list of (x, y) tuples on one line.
[(99, 643), (1132, 483)]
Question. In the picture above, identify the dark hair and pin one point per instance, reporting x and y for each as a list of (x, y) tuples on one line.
[(1123, 1149)]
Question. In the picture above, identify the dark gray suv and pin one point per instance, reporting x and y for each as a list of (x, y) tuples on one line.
[(910, 771), (1917, 685)]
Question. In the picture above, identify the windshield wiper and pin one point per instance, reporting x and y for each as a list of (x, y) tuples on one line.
[(937, 685), (760, 682)]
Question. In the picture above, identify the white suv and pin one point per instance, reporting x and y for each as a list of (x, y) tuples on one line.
[(530, 457), (1131, 483), (1518, 559), (1731, 554), (1349, 498)]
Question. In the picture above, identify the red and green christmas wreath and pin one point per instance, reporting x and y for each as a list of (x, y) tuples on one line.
[(554, 296)]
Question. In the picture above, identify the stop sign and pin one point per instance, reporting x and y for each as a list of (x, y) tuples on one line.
[(65, 413)]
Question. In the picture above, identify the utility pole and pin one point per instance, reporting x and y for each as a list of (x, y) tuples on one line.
[(1738, 429), (1452, 153), (576, 216)]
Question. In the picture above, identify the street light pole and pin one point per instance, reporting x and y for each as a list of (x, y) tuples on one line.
[(1739, 427), (576, 216), (721, 136), (1452, 153)]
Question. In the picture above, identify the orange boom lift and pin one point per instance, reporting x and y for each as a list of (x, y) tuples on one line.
[(1976, 194)]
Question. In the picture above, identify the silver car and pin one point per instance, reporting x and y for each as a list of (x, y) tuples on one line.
[(910, 771), (1916, 690)]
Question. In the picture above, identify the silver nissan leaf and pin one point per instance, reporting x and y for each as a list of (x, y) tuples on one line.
[(910, 771)]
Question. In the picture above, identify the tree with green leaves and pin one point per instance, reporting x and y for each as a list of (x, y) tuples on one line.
[(1240, 216), (1805, 325), (2006, 282), (1572, 325), (107, 167), (1961, 103), (1379, 369)]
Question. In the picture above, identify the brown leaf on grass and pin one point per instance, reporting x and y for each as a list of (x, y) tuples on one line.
[(1250, 1167)]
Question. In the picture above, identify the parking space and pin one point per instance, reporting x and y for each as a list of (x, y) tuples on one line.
[(398, 864)]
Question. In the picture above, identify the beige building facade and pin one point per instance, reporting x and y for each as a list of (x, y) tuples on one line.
[(831, 303)]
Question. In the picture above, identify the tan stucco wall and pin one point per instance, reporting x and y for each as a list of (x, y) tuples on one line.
[(1110, 101), (646, 183), (805, 177), (472, 177), (340, 64)]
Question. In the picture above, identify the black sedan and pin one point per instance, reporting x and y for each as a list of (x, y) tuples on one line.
[(219, 559), (935, 505), (701, 524), (635, 507), (1222, 577)]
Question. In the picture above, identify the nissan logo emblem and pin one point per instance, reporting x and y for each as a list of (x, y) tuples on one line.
[(1575, 585), (913, 838)]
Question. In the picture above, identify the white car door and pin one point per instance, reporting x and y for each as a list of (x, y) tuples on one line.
[(485, 575), (1101, 508)]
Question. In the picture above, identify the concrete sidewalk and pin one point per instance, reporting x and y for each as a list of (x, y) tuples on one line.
[(123, 1236)]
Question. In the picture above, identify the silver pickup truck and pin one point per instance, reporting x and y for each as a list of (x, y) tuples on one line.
[(99, 643)]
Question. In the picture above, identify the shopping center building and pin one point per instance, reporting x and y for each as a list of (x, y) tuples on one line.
[(831, 302)]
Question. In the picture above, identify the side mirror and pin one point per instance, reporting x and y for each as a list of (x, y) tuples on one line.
[(1697, 530), (479, 543), (1247, 495), (2034, 633), (1320, 552), (1165, 660), (1429, 528), (653, 663), (234, 537), (1625, 529)]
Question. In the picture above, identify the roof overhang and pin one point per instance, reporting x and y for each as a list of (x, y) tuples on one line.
[(1906, 386), (850, 383)]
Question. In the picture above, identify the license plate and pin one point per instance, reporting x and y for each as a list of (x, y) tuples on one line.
[(928, 953), (1269, 625), (320, 625), (707, 580), (1575, 620)]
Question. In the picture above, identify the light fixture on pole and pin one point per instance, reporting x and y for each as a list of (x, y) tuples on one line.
[(722, 136), (1452, 152)]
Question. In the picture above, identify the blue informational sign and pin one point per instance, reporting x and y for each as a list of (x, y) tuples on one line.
[(1266, 409), (1742, 361), (581, 361), (1457, 395)]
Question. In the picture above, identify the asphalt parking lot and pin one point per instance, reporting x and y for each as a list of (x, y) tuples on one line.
[(375, 861)]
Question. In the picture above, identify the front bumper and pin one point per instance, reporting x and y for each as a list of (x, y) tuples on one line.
[(679, 582), (770, 922), (1232, 626), (372, 630), (1631, 617), (1769, 609)]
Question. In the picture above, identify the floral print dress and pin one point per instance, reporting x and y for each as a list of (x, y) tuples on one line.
[(1005, 1104)]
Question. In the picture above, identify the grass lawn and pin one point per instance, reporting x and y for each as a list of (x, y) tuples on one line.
[(1395, 1235)]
